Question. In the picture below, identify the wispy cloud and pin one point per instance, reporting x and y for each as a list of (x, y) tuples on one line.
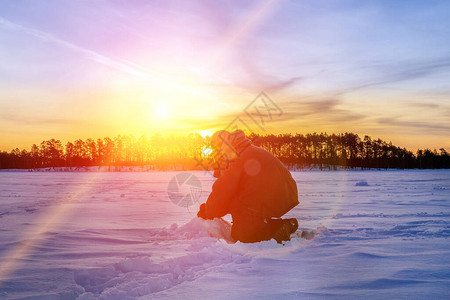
[(21, 119), (326, 110), (294, 113), (425, 105), (419, 127), (391, 73)]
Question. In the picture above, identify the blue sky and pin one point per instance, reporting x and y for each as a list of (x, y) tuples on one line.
[(79, 69)]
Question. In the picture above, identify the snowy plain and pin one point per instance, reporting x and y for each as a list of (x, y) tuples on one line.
[(114, 235)]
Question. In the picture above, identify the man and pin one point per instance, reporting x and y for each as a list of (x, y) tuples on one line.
[(254, 187)]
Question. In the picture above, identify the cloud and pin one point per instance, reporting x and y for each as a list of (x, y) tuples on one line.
[(294, 115), (401, 72), (282, 84), (35, 120), (416, 126), (299, 108), (425, 105), (326, 109)]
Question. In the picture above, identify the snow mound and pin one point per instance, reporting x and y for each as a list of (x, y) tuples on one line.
[(132, 277), (311, 234), (216, 228), (196, 228), (362, 183), (140, 276)]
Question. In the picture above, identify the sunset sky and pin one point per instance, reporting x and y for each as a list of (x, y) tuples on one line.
[(80, 69)]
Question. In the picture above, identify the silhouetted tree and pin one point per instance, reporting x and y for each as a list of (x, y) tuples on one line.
[(322, 150)]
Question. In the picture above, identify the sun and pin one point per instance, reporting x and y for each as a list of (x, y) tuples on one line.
[(162, 111)]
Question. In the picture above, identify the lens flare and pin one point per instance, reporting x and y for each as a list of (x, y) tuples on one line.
[(10, 259)]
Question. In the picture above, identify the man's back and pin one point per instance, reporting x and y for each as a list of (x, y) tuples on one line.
[(266, 187), (255, 182)]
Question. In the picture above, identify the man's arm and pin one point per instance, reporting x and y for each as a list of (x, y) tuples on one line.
[(224, 190)]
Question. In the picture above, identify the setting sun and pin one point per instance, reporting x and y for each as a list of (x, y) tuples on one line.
[(162, 111)]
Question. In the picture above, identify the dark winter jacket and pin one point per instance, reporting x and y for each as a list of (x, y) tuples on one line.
[(255, 182)]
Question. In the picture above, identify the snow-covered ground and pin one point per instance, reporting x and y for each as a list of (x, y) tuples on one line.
[(118, 236)]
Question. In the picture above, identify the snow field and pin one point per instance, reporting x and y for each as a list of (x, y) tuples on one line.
[(374, 235)]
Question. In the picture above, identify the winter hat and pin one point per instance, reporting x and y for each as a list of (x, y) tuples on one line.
[(238, 140)]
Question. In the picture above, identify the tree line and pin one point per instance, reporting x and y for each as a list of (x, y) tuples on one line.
[(320, 150), (348, 150)]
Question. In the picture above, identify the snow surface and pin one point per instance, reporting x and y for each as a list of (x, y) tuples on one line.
[(373, 235)]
